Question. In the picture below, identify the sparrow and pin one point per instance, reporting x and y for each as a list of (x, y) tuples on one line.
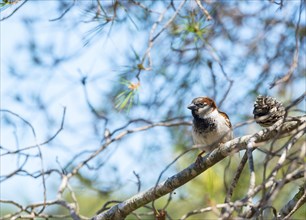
[(210, 126)]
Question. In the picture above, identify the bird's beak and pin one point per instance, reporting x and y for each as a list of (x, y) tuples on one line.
[(192, 106)]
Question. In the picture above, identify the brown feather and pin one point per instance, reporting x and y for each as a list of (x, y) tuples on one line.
[(224, 115), (208, 101)]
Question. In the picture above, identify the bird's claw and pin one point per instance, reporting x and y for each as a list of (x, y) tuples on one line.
[(199, 159)]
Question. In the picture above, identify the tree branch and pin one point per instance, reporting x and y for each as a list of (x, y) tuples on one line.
[(298, 200), (122, 209)]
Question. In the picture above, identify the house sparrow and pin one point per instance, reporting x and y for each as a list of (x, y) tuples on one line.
[(211, 127)]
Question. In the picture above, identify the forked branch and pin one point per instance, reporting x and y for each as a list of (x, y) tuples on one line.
[(279, 129)]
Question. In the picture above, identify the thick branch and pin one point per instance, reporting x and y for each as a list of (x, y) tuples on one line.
[(121, 210)]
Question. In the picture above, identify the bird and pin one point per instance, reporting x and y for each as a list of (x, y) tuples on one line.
[(210, 127)]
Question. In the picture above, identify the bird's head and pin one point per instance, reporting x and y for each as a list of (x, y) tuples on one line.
[(202, 106)]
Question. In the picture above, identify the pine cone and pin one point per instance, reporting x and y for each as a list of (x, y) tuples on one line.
[(267, 111)]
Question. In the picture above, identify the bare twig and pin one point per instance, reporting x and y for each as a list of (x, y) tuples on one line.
[(225, 212), (40, 144), (295, 59), (65, 12), (165, 169), (144, 7), (208, 16), (39, 152), (208, 209), (215, 56), (290, 208), (138, 181), (104, 207), (296, 101), (15, 10), (153, 37)]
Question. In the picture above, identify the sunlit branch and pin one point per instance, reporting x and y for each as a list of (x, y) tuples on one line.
[(123, 209), (208, 16)]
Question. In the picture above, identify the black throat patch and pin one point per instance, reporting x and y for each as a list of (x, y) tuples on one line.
[(203, 125)]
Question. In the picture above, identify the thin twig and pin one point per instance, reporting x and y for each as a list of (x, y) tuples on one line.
[(64, 13), (293, 205), (208, 16), (153, 37), (225, 213), (207, 209), (40, 144), (295, 59), (13, 12)]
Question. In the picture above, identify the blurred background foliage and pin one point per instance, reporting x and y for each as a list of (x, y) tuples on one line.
[(110, 62)]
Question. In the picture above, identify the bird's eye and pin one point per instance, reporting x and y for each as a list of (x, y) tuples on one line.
[(201, 105)]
